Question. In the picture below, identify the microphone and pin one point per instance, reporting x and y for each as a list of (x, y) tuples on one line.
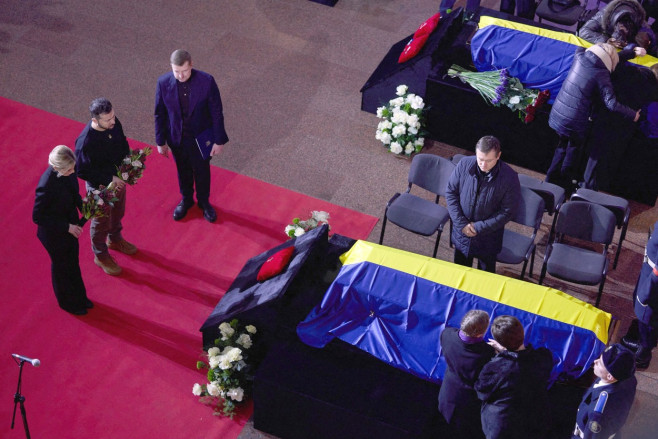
[(34, 362)]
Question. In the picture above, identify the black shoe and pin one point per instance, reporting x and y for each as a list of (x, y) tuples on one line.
[(181, 209), (89, 304), (77, 312), (643, 358), (633, 345), (208, 212)]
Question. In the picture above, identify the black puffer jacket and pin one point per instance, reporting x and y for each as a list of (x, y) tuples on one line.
[(601, 26), (587, 85), (488, 202)]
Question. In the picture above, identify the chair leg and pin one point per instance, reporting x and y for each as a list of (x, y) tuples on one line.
[(436, 246), (381, 236), (621, 239), (532, 261), (525, 265), (543, 273), (598, 297)]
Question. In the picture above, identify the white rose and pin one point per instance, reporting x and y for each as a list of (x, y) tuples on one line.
[(320, 216), (420, 141), (412, 130), (197, 389), (399, 130), (299, 231), (212, 389), (288, 229), (514, 100), (124, 175), (213, 351), (250, 329), (226, 330), (412, 120), (126, 160), (417, 103), (100, 202), (397, 102), (385, 138), (235, 394), (235, 354), (380, 111), (244, 340), (401, 90), (396, 148), (399, 116), (224, 362), (213, 362), (409, 148), (136, 164)]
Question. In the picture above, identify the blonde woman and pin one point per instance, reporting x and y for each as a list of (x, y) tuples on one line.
[(55, 212)]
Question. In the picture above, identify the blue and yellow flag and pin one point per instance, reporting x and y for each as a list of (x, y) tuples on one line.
[(539, 58), (394, 304)]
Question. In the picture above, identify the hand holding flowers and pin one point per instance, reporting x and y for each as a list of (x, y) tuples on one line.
[(97, 203), (132, 167), (402, 125)]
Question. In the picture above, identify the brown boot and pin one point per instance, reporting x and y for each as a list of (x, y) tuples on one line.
[(108, 265), (123, 246)]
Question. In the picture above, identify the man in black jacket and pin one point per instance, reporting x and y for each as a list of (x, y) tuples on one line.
[(513, 386), (465, 352), (482, 196), (100, 149)]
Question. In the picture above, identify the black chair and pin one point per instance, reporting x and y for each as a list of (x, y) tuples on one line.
[(619, 206), (417, 214), (519, 247), (585, 222), (564, 12), (552, 194)]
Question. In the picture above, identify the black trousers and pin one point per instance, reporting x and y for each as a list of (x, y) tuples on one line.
[(63, 250), (193, 171), (566, 163), (485, 263)]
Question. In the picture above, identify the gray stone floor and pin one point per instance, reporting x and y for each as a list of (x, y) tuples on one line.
[(289, 72)]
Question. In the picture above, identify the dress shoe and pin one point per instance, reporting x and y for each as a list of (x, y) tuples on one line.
[(208, 212), (630, 343), (123, 246), (181, 209), (89, 304), (108, 265), (77, 312), (643, 358)]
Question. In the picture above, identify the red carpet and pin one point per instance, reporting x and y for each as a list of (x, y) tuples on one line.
[(126, 369)]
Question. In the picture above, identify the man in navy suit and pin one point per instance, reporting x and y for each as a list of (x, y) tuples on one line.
[(188, 109)]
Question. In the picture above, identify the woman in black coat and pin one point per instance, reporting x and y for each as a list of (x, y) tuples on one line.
[(587, 86), (55, 212)]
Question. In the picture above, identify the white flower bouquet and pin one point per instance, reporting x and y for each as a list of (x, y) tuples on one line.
[(299, 227), (401, 129), (97, 203), (229, 374)]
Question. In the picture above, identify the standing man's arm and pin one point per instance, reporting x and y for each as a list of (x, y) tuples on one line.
[(505, 213), (459, 220), (217, 115), (161, 122)]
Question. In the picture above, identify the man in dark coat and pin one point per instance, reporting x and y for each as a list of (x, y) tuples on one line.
[(646, 306), (621, 21), (465, 352), (513, 386), (587, 85), (100, 149), (607, 403), (188, 113), (482, 196)]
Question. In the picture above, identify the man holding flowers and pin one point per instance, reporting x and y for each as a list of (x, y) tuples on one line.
[(101, 148)]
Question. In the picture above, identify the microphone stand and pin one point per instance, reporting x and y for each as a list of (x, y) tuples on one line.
[(18, 398)]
